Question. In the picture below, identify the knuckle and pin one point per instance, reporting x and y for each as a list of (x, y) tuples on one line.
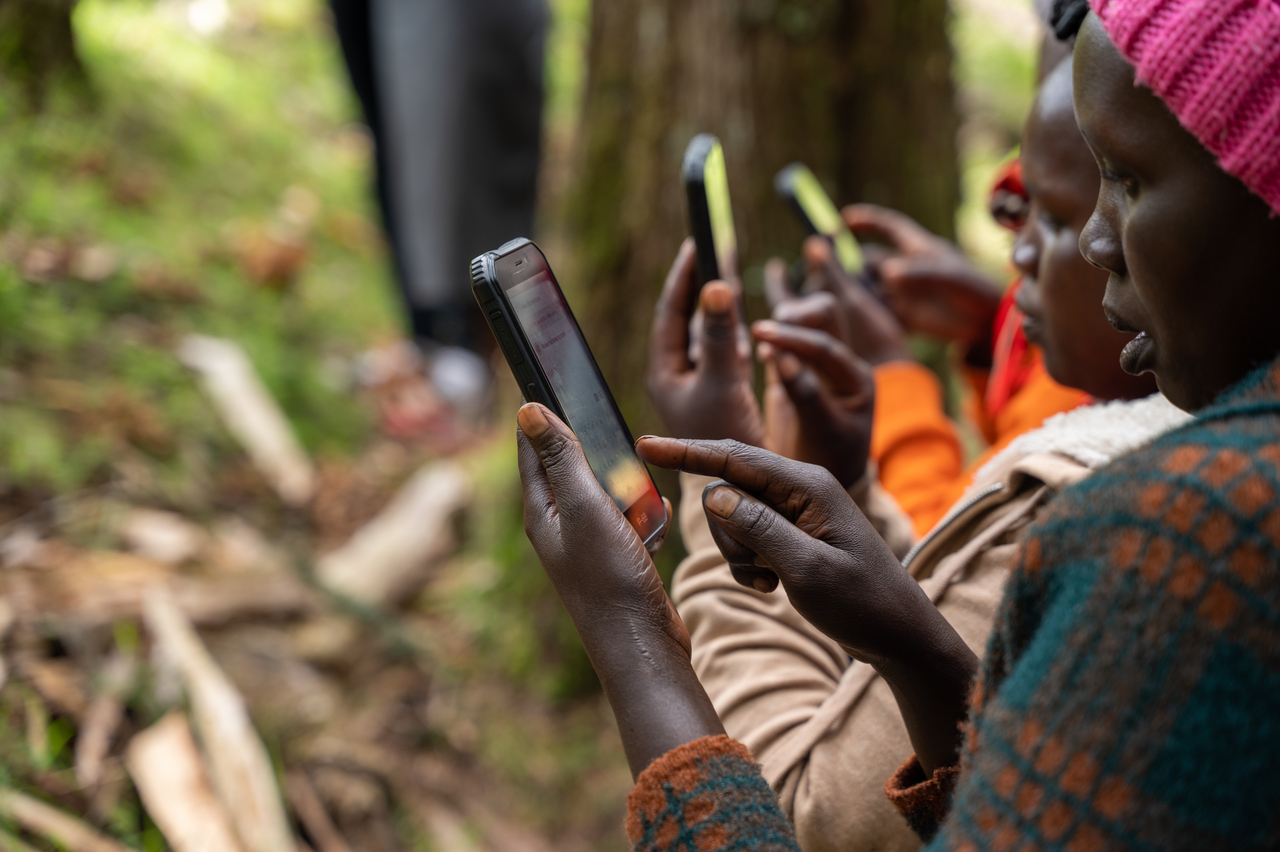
[(557, 453)]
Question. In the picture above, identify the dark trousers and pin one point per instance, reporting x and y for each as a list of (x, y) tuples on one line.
[(452, 92)]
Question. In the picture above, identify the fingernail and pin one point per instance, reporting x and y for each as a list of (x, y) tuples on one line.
[(717, 298), (762, 585), (722, 501), (532, 421), (764, 327)]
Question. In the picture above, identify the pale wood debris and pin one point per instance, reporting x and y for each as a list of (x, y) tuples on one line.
[(251, 414), (238, 762), (168, 771), (387, 558)]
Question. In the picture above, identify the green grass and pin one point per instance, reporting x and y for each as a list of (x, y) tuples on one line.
[(188, 142)]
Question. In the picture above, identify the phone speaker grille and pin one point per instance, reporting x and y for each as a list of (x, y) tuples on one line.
[(477, 268)]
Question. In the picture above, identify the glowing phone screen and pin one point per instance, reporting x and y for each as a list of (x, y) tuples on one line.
[(826, 218), (716, 180), (544, 315)]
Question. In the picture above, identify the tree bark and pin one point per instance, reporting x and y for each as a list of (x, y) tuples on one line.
[(38, 46), (859, 90)]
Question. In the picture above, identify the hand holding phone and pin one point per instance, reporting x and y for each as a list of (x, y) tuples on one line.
[(549, 357), (818, 213)]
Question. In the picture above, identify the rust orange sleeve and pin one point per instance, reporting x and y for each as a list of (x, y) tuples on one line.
[(1039, 398), (913, 443), (916, 447)]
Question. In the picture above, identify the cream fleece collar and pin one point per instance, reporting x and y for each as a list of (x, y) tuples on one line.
[(1093, 435)]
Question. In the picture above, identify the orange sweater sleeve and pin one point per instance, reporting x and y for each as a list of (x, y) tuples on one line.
[(913, 442), (916, 447), (1039, 399)]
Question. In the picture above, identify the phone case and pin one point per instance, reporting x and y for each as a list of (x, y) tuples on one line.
[(519, 356), (694, 173), (485, 287), (784, 185)]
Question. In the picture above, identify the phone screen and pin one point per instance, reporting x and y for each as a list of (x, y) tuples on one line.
[(543, 314), (716, 183), (825, 218)]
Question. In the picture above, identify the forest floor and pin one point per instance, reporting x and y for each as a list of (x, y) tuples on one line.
[(212, 183), (203, 205)]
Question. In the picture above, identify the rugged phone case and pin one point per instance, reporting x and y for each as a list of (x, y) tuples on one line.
[(693, 170), (520, 357), (484, 284), (784, 185)]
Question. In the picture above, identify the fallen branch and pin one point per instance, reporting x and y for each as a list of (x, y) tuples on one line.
[(251, 414), (238, 762), (388, 557), (312, 815), (171, 779), (59, 826)]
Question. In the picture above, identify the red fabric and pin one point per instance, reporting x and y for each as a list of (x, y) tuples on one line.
[(1012, 359)]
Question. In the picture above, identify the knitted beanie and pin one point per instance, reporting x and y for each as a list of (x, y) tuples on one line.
[(1216, 64)]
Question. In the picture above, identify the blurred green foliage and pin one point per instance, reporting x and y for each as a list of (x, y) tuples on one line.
[(191, 143)]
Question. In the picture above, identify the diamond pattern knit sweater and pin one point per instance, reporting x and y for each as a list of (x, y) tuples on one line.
[(1130, 698)]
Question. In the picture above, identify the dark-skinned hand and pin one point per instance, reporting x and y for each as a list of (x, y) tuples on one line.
[(819, 399), (872, 331), (777, 519), (700, 380), (931, 286), (636, 641)]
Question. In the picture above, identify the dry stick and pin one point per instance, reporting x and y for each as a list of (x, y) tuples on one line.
[(171, 779), (240, 767), (102, 719), (385, 559), (311, 813), (61, 827)]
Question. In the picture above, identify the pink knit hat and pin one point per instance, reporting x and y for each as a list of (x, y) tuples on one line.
[(1216, 64)]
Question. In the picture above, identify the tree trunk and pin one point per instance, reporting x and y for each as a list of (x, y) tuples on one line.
[(859, 90), (38, 46)]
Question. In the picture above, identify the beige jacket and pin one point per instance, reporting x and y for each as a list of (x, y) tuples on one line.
[(826, 729)]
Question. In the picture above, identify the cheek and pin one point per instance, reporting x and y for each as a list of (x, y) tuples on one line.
[(1071, 289), (1163, 255)]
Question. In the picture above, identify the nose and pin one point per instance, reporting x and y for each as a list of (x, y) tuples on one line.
[(1100, 237), (1026, 249)]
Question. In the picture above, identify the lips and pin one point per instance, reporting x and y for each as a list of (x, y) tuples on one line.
[(1138, 355)]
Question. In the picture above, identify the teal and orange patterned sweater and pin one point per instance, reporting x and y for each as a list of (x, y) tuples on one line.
[(1130, 697)]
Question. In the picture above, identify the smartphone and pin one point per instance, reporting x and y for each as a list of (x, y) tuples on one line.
[(818, 214), (710, 215), (546, 351)]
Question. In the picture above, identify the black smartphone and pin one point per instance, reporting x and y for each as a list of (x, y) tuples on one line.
[(706, 182), (547, 353), (818, 214)]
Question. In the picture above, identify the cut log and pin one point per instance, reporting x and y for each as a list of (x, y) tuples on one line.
[(170, 776)]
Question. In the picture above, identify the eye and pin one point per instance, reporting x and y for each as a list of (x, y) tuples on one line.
[(1050, 222), (1129, 183)]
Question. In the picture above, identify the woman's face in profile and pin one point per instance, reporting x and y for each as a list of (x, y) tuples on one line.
[(1193, 256)]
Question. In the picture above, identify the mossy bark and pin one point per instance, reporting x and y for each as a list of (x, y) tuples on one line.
[(860, 90), (38, 47)]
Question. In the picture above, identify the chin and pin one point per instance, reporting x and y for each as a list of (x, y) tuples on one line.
[(1177, 395)]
